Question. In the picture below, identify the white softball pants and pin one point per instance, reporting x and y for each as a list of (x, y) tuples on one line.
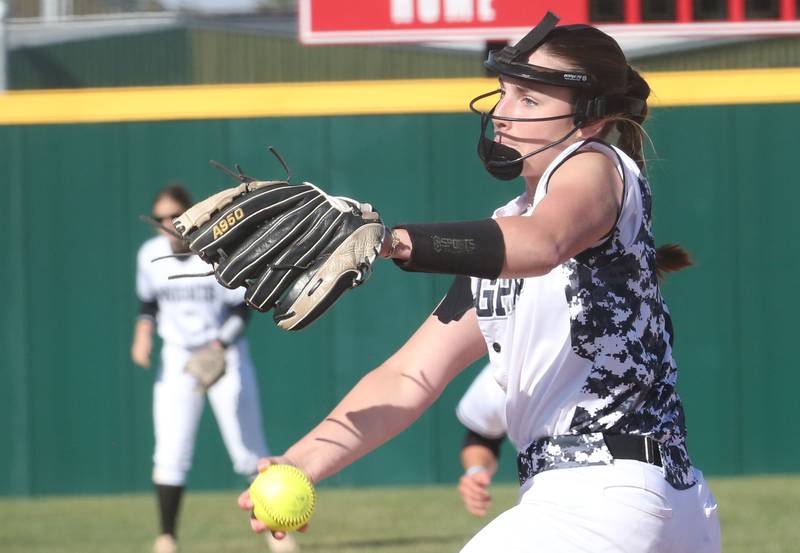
[(626, 507), (177, 409)]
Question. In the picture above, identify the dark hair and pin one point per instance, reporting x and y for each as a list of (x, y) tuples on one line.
[(592, 51), (671, 258), (177, 192)]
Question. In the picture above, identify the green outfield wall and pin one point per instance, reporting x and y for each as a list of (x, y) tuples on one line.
[(75, 413)]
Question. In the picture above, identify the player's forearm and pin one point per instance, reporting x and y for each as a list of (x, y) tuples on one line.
[(383, 404), (478, 456), (143, 328), (142, 342), (391, 397), (234, 325)]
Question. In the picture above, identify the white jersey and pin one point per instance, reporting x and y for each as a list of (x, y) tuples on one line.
[(483, 407), (190, 310), (586, 348)]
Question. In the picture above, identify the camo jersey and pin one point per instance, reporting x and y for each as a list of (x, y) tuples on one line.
[(587, 348)]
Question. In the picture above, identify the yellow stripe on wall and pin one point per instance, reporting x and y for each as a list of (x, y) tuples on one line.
[(738, 86), (692, 88), (237, 101)]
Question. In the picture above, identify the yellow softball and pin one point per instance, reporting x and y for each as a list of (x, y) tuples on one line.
[(283, 498)]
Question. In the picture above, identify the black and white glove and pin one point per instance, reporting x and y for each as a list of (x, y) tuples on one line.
[(295, 248)]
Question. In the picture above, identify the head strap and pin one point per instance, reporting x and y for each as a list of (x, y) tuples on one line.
[(603, 106), (529, 42), (511, 61)]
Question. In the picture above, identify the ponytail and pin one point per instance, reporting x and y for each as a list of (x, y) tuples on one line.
[(671, 258), (631, 132)]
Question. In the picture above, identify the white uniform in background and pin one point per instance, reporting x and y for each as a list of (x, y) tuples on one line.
[(483, 407), (190, 313), (581, 352)]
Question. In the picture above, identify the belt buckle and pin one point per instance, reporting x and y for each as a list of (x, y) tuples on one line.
[(651, 453)]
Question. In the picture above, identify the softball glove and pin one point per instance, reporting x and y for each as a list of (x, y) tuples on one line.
[(295, 248), (207, 365)]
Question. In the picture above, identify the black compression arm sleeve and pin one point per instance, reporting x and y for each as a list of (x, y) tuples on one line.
[(242, 311), (470, 248), (493, 444), (148, 309)]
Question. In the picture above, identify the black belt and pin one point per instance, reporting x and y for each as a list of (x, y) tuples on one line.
[(629, 446), (576, 450)]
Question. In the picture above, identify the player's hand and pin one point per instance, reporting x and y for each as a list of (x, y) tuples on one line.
[(217, 344), (141, 349), (247, 505), (474, 489)]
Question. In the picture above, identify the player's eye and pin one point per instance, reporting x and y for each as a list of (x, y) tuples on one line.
[(528, 101)]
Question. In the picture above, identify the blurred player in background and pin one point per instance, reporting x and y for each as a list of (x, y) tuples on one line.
[(192, 314), (482, 412)]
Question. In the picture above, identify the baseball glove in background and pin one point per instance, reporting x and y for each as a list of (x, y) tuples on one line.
[(295, 248), (207, 364)]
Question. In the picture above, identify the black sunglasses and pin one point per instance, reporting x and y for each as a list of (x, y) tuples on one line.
[(168, 217)]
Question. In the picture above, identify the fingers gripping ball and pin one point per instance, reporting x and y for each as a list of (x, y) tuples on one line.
[(283, 498)]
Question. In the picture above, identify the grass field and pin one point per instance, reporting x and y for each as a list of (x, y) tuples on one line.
[(759, 515)]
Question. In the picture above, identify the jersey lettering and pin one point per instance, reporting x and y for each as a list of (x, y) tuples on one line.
[(496, 299), (195, 293)]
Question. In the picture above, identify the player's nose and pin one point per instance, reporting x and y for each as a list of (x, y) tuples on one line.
[(501, 125)]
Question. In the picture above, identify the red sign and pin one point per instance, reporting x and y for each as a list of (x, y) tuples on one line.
[(349, 21), (376, 21)]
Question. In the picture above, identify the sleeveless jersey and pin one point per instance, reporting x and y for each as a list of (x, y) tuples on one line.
[(587, 348)]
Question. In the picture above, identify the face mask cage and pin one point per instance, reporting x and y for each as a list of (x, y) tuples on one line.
[(504, 162)]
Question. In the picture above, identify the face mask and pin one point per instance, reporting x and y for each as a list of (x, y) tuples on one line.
[(501, 161)]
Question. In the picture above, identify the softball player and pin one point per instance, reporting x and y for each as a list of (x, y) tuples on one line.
[(192, 313), (482, 412), (563, 294)]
